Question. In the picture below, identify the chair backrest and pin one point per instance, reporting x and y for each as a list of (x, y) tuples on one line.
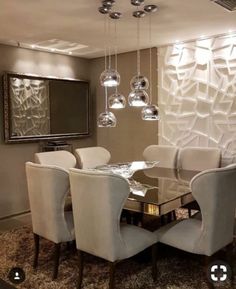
[(63, 159), (198, 158), (91, 157), (98, 199), (167, 155), (47, 189), (214, 190)]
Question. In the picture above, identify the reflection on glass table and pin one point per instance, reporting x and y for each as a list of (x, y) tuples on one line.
[(139, 189), (127, 170)]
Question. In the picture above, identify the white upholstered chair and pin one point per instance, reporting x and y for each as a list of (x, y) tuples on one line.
[(199, 158), (47, 189), (63, 159), (214, 190), (91, 157), (98, 199), (167, 155)]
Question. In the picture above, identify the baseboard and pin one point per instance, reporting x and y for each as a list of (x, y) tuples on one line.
[(14, 215), (15, 221)]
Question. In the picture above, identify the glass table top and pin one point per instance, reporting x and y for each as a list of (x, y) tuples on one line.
[(126, 170), (154, 190)]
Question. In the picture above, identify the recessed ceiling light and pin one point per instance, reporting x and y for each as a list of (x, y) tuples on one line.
[(52, 49), (230, 31), (70, 52), (32, 46)]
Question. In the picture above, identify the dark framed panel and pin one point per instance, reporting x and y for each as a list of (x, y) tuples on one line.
[(44, 108)]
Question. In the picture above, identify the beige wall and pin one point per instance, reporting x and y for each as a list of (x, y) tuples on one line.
[(127, 141), (13, 192)]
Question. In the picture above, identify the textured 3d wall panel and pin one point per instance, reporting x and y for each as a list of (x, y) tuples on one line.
[(30, 107), (197, 95)]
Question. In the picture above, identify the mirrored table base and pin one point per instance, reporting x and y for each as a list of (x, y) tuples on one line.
[(157, 210)]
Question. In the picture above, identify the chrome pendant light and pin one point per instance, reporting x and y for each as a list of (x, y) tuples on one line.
[(109, 77), (107, 118), (150, 112), (138, 97), (139, 83), (137, 2), (116, 100)]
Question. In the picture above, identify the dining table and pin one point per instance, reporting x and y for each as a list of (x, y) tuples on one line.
[(154, 190)]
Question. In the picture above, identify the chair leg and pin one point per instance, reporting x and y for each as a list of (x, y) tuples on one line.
[(229, 252), (163, 221), (174, 215), (36, 250), (81, 268), (112, 275), (189, 212), (154, 262), (57, 248), (169, 217), (128, 217), (207, 263)]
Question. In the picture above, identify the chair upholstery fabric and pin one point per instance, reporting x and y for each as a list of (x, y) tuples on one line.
[(167, 155), (214, 190), (98, 199), (63, 159), (47, 189), (199, 158), (91, 157)]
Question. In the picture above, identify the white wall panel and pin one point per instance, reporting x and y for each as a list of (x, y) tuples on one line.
[(197, 94)]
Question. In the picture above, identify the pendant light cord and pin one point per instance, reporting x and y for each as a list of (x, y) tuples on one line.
[(150, 57), (105, 41), (109, 43), (138, 45), (116, 49), (106, 105)]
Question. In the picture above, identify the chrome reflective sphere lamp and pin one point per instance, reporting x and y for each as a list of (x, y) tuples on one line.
[(150, 8), (116, 101), (138, 98), (108, 3), (139, 14), (115, 15), (110, 78), (106, 119), (139, 82), (150, 112), (137, 2), (104, 10)]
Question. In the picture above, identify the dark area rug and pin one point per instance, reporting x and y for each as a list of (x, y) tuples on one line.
[(176, 269)]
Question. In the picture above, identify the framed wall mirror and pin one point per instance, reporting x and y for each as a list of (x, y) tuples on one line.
[(44, 108)]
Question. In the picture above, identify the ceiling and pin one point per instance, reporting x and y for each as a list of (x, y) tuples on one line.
[(77, 23)]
